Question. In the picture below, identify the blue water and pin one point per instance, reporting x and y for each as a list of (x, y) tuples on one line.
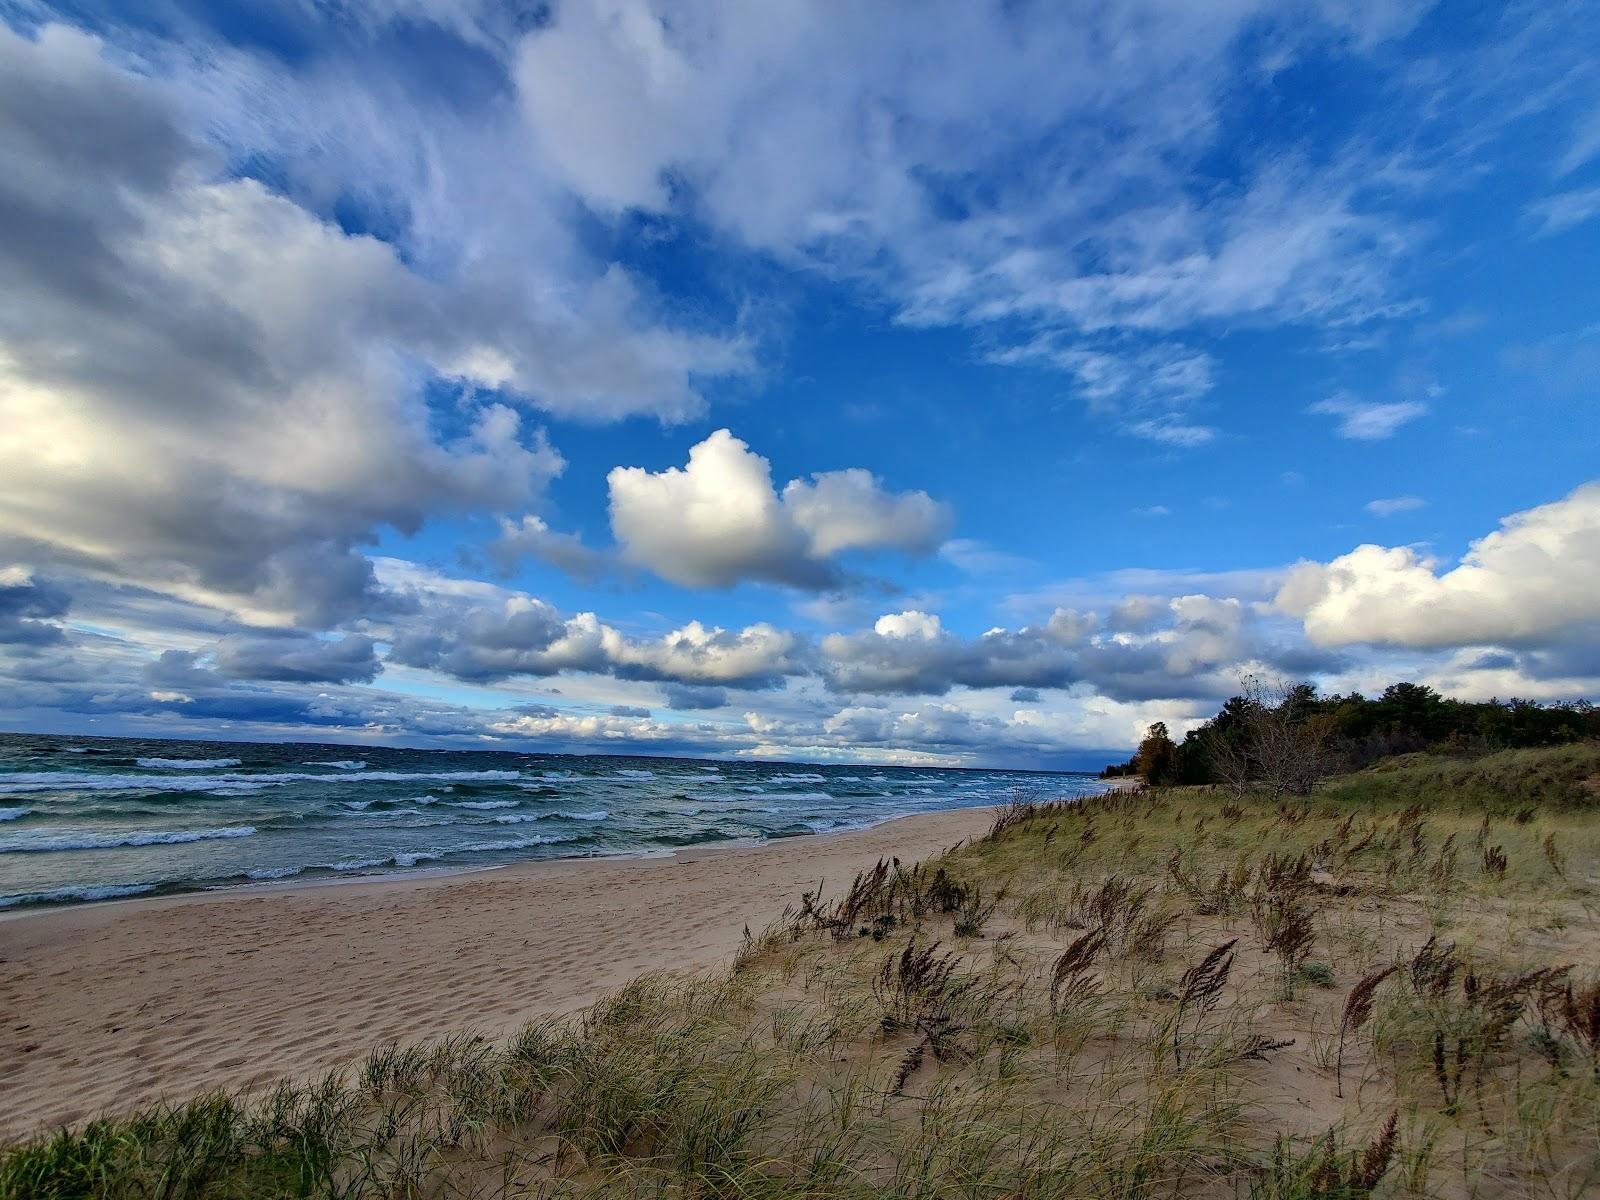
[(99, 818)]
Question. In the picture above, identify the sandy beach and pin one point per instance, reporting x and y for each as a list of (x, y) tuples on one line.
[(106, 1005)]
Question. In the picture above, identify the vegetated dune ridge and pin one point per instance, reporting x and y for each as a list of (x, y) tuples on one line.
[(1388, 986), (109, 1004)]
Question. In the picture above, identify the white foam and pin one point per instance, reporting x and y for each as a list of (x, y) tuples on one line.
[(636, 774), (599, 814), (362, 806), (410, 858), (483, 804), (800, 777), (41, 842), (187, 764), (273, 872), (511, 844), (57, 781), (343, 764), (106, 892)]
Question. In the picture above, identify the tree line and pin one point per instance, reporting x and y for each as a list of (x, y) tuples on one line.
[(1284, 737)]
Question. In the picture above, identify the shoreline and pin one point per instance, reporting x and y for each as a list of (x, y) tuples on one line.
[(412, 874), (256, 887), (122, 1001)]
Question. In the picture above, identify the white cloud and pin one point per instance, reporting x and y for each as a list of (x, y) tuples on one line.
[(209, 389), (979, 558), (718, 520), (886, 147), (1561, 212), (1190, 645), (1388, 506), (910, 624), (1368, 421), (1147, 391), (1535, 579), (204, 389), (1585, 143), (849, 510), (481, 633), (532, 537)]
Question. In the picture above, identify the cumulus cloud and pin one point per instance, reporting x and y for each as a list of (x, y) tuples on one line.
[(1190, 646), (203, 387), (1536, 578), (682, 698), (532, 538), (29, 609), (297, 659), (484, 634), (208, 389), (1368, 421), (912, 653), (719, 520)]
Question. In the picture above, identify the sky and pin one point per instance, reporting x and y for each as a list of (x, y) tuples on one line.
[(939, 383)]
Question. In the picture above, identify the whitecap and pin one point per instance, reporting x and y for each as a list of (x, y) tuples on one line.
[(186, 764), (636, 774), (342, 764), (800, 777), (42, 842), (11, 814), (364, 805), (483, 804), (54, 781)]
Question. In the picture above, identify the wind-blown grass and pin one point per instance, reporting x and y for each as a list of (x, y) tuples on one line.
[(1109, 998)]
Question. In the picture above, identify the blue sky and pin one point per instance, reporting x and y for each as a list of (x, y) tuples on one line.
[(939, 383)]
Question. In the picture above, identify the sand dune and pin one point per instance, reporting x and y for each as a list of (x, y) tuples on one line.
[(111, 1004)]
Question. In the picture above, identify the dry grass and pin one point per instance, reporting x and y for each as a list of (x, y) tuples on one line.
[(1390, 988)]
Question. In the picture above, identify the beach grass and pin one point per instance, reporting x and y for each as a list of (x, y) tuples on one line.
[(1391, 988)]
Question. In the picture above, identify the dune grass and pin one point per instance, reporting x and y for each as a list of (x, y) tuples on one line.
[(1388, 988)]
